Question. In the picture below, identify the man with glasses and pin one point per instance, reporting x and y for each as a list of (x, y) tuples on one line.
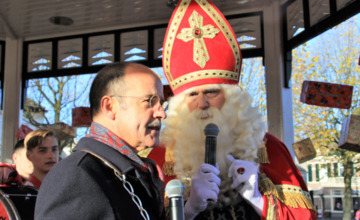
[(104, 178)]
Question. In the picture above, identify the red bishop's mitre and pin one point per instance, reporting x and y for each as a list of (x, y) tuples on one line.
[(200, 47)]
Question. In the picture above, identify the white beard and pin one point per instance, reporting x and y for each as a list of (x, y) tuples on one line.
[(184, 133)]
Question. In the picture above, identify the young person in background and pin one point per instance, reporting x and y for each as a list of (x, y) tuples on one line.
[(43, 151)]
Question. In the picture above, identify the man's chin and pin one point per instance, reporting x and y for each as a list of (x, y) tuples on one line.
[(151, 141)]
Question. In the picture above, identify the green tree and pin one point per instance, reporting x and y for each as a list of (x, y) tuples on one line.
[(331, 57), (252, 79)]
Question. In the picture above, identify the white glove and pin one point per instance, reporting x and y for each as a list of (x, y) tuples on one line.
[(204, 186), (247, 182)]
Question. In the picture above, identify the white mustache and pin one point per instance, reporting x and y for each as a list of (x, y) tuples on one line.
[(155, 123), (201, 114)]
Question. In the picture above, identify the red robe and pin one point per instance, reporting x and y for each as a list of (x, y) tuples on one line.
[(284, 191)]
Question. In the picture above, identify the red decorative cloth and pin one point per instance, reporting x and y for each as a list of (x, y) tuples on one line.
[(200, 47), (284, 174), (23, 131), (81, 117)]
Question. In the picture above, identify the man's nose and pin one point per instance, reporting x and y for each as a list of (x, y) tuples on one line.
[(159, 113), (203, 102)]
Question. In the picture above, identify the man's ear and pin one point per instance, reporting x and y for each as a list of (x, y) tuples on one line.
[(108, 107)]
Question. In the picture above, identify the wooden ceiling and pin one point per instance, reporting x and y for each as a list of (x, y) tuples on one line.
[(30, 19)]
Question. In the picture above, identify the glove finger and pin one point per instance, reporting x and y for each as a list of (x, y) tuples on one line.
[(216, 180), (209, 177), (208, 191), (213, 187), (207, 168), (229, 159), (213, 196)]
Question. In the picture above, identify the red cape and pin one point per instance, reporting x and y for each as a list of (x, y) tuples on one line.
[(285, 196)]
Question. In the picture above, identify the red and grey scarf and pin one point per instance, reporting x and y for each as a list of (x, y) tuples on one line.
[(105, 136)]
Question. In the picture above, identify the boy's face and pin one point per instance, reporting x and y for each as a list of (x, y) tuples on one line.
[(44, 156)]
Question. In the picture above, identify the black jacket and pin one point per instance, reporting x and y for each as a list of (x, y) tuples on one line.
[(82, 187)]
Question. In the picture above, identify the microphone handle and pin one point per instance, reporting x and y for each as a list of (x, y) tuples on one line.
[(176, 208), (210, 158), (210, 150)]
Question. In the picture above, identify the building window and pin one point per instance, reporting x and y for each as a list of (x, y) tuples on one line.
[(337, 192), (101, 49), (338, 204), (317, 167), (310, 173), (341, 168), (40, 56), (70, 53), (329, 170), (336, 170), (134, 46)]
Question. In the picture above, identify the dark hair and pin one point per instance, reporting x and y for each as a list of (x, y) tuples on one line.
[(19, 144), (100, 85), (35, 138)]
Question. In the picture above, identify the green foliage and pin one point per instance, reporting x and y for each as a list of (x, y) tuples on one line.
[(332, 57), (252, 79)]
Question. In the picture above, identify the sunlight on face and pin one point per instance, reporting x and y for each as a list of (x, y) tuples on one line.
[(45, 156)]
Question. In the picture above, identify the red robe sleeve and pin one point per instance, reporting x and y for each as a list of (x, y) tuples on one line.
[(284, 190), (158, 155)]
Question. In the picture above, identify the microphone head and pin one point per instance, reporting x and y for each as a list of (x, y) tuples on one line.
[(211, 130), (174, 188)]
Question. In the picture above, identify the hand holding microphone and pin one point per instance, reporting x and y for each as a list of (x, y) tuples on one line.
[(211, 132), (204, 186), (245, 181), (205, 183)]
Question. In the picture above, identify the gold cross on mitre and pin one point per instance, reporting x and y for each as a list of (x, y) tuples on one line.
[(198, 32)]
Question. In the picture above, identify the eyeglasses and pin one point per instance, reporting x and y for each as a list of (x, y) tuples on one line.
[(153, 100)]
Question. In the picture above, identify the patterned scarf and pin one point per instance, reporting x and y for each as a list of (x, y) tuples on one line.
[(105, 136)]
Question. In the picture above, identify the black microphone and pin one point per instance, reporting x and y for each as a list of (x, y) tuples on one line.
[(175, 190), (211, 132)]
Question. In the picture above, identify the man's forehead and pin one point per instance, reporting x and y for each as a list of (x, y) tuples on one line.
[(203, 88)]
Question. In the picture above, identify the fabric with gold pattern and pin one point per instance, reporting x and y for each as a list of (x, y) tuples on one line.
[(197, 35)]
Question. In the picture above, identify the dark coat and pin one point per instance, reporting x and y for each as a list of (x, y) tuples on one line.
[(82, 187)]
